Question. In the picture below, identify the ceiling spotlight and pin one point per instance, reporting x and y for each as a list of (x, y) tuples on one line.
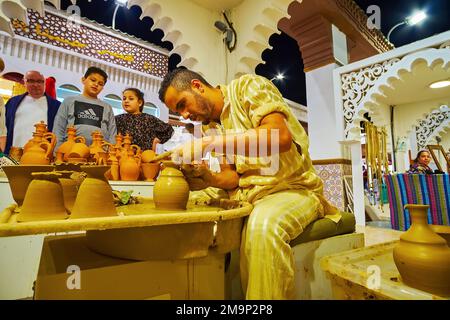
[(416, 18), (440, 84), (279, 76)]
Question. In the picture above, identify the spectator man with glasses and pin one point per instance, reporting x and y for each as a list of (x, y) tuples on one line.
[(24, 111)]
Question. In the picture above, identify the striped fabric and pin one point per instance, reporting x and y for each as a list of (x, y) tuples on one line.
[(430, 189)]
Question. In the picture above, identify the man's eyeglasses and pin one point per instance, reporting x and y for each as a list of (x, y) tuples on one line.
[(31, 81)]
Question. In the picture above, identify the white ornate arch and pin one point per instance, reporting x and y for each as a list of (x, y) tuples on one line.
[(362, 88), (435, 124)]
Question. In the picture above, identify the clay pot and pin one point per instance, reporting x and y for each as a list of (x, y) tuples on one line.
[(44, 199), (423, 257), (171, 191), (16, 153), (37, 154), (78, 150), (129, 167), (94, 198), (19, 177), (147, 156), (150, 171), (62, 154), (70, 189)]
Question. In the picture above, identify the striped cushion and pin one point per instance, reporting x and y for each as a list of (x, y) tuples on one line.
[(430, 189)]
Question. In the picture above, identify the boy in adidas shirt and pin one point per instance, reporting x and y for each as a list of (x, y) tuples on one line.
[(86, 112)]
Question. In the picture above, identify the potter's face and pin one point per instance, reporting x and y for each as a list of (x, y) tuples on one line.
[(190, 104), (35, 84), (131, 103), (93, 84), (424, 158)]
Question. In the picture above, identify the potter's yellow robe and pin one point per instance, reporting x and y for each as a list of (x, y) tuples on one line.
[(285, 201)]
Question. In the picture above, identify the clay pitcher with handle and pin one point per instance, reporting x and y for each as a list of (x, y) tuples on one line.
[(37, 154)]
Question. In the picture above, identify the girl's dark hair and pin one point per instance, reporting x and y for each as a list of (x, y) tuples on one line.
[(138, 94), (416, 160)]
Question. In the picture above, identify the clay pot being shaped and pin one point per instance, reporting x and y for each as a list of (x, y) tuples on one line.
[(95, 197), (37, 154), (62, 154), (129, 167), (422, 257), (19, 177), (171, 191), (150, 171), (70, 189), (44, 199)]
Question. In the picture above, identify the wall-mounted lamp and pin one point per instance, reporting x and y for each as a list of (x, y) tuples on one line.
[(230, 34)]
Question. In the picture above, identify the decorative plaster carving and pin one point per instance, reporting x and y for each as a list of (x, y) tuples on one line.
[(355, 86), (361, 87), (428, 128)]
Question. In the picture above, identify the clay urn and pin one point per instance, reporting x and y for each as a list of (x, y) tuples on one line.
[(70, 189), (62, 154), (129, 167), (95, 197), (35, 140), (44, 199), (79, 150), (37, 154), (41, 127), (171, 190), (97, 145), (19, 177), (422, 257), (150, 170)]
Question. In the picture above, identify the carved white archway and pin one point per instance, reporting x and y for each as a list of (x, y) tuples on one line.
[(433, 125), (362, 88)]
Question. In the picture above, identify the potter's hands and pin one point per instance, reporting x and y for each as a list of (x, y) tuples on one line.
[(191, 151), (198, 176)]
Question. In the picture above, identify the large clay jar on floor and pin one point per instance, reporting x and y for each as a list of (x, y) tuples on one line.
[(95, 197), (171, 191), (44, 199), (422, 257)]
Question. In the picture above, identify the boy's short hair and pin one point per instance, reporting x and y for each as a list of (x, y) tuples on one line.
[(99, 71)]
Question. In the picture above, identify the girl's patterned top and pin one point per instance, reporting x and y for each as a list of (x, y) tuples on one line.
[(420, 168), (143, 128)]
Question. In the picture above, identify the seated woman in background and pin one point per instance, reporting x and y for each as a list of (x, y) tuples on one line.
[(145, 129), (421, 162)]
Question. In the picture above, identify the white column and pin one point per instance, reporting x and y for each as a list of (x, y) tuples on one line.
[(357, 179), (322, 117)]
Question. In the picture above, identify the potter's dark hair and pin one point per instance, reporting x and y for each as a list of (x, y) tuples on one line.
[(416, 160), (139, 94), (92, 70), (180, 79)]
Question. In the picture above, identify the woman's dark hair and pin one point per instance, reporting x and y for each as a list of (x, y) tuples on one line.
[(416, 160), (139, 94)]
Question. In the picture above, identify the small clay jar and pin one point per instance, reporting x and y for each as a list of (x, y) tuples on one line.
[(95, 197), (44, 199), (150, 171), (422, 257), (171, 190)]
